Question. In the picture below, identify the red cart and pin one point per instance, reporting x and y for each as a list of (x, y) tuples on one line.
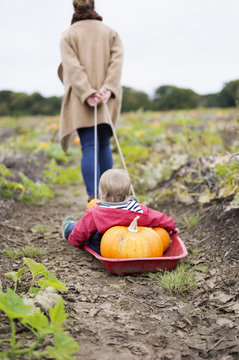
[(176, 251)]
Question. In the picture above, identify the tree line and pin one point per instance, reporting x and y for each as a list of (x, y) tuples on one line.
[(166, 97)]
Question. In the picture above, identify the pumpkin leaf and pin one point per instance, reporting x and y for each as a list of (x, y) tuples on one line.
[(51, 281), (35, 268), (4, 171), (64, 347), (38, 321), (20, 272), (12, 275), (33, 291), (57, 315), (13, 305)]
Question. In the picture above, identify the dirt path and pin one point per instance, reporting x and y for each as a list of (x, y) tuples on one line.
[(132, 317)]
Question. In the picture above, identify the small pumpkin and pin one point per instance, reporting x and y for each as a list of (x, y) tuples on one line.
[(77, 140), (91, 203), (120, 242), (164, 236)]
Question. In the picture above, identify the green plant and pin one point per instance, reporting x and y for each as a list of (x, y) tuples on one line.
[(180, 280), (58, 174), (15, 276), (40, 229), (60, 345), (228, 176), (38, 269), (28, 251), (9, 188), (41, 327), (191, 221), (54, 151), (38, 190), (195, 251), (29, 190)]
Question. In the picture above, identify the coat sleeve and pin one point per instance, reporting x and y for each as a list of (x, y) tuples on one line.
[(156, 218), (75, 71), (83, 230), (113, 76)]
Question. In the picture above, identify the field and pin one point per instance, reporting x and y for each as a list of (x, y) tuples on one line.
[(183, 163)]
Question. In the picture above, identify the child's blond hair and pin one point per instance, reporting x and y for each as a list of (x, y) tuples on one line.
[(114, 185), (83, 4)]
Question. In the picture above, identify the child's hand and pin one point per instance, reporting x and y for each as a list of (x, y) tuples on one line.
[(176, 231)]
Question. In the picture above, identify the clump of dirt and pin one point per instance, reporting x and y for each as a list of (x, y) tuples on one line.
[(216, 227), (133, 317), (30, 164)]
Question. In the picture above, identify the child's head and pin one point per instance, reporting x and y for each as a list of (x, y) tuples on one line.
[(83, 4), (114, 185)]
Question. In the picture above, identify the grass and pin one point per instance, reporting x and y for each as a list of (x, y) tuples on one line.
[(195, 251), (40, 229), (178, 281), (191, 221), (27, 251)]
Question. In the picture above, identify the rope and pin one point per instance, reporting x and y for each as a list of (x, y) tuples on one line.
[(95, 155), (117, 143)]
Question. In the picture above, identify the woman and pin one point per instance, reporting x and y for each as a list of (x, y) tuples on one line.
[(92, 56)]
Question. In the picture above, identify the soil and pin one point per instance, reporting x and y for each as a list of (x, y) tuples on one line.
[(133, 317)]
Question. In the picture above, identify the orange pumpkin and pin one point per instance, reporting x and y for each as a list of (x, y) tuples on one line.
[(77, 140), (164, 236), (120, 242), (91, 203)]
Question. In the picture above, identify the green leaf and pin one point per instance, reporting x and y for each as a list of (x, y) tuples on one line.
[(12, 275), (20, 272), (34, 291), (4, 171), (35, 268), (39, 190), (57, 315), (201, 268), (13, 305), (64, 347), (38, 321), (51, 281)]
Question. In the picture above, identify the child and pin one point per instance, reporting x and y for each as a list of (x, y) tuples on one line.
[(115, 208)]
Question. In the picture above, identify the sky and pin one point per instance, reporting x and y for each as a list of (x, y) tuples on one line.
[(187, 43)]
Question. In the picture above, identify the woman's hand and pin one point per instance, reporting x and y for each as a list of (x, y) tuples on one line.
[(94, 99), (104, 94), (101, 96)]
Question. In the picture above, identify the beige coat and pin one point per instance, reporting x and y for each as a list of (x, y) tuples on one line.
[(92, 56)]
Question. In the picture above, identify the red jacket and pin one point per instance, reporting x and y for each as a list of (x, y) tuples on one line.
[(100, 219)]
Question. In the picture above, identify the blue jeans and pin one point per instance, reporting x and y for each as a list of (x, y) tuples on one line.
[(93, 242), (69, 229), (104, 154)]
